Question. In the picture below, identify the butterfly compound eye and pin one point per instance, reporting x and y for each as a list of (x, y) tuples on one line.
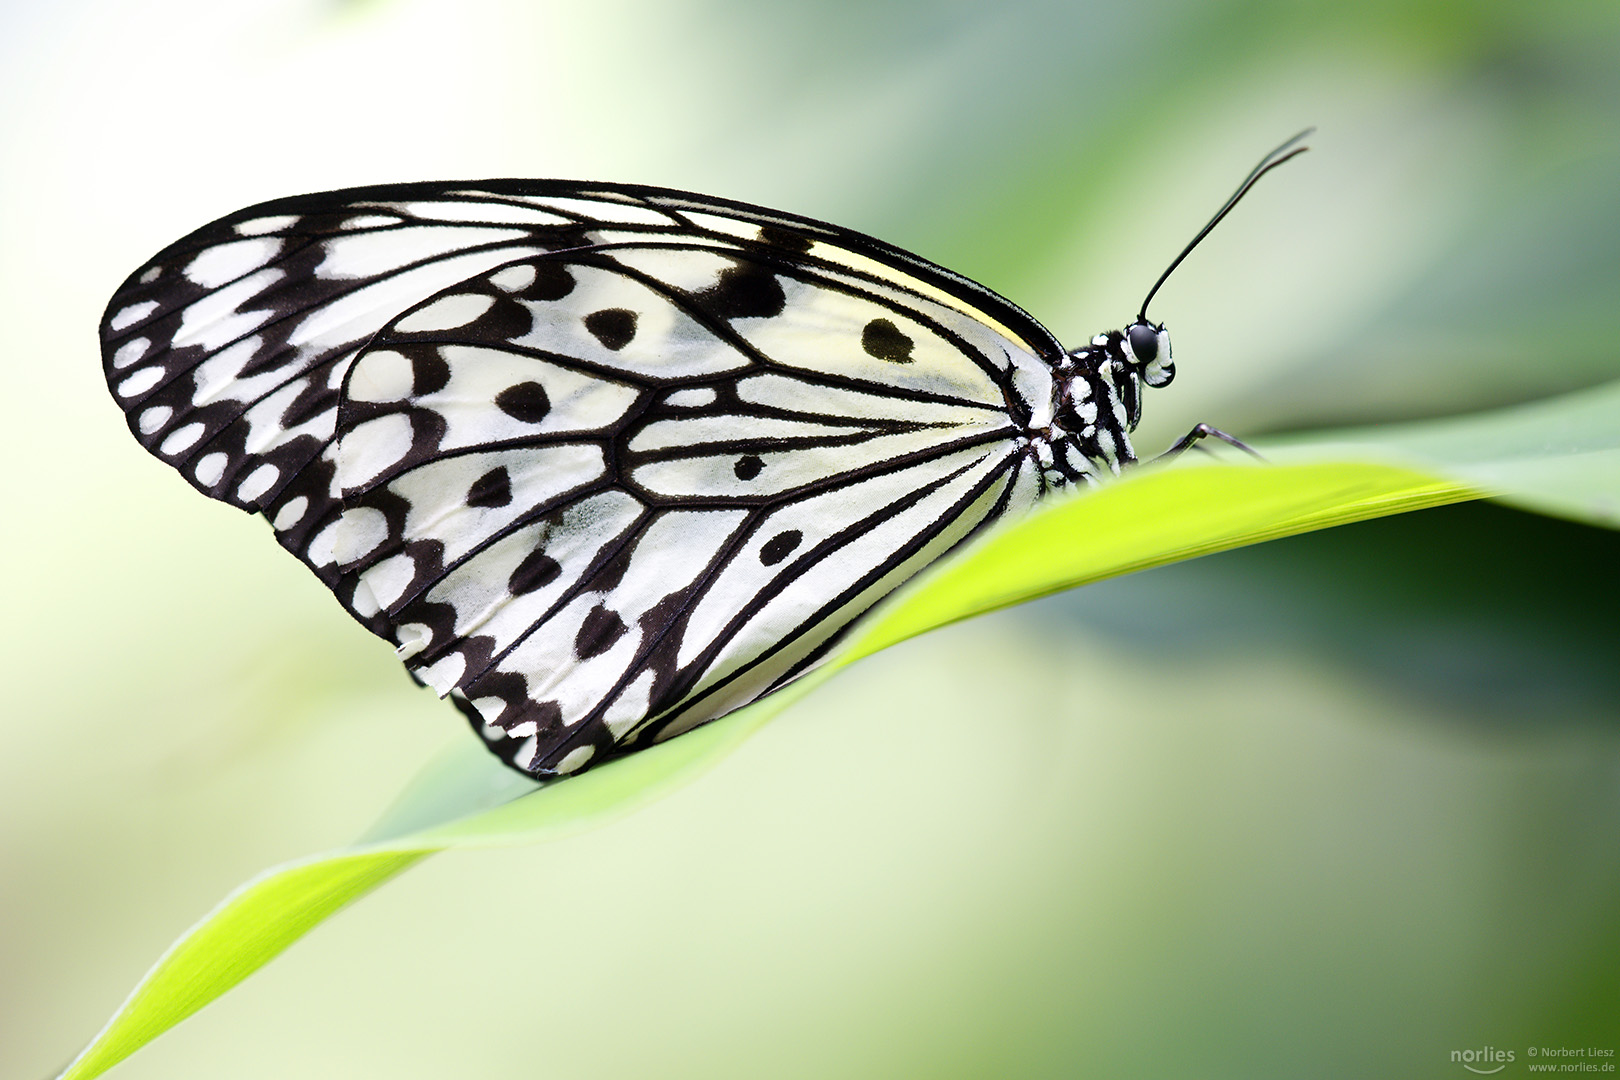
[(1144, 341)]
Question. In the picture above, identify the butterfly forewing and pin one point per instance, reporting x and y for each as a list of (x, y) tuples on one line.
[(602, 463)]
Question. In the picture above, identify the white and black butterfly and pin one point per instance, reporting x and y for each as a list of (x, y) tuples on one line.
[(605, 462)]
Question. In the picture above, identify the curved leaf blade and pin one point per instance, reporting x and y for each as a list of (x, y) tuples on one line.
[(246, 931), (1154, 517)]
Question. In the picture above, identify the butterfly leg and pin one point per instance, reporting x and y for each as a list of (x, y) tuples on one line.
[(1202, 432)]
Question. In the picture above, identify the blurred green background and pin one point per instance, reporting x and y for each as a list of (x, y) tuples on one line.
[(1333, 806)]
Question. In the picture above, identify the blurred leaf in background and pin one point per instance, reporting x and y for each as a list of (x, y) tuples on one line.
[(1339, 805)]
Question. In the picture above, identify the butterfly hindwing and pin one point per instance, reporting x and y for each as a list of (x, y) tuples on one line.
[(589, 501)]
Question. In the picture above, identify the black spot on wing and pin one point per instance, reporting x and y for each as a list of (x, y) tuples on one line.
[(506, 320), (784, 238), (598, 633), (884, 340), (492, 489), (744, 292), (536, 571), (780, 546), (613, 327), (748, 467), (525, 401), (429, 371)]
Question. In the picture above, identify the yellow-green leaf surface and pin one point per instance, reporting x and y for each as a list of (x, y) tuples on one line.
[(1156, 516), (1557, 456), (1560, 456)]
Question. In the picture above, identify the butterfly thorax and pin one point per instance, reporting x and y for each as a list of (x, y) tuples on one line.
[(1097, 402)]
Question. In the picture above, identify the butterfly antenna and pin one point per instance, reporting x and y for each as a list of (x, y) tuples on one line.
[(1283, 153)]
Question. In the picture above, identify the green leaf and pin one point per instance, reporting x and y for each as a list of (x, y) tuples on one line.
[(248, 928), (1562, 456), (1158, 515)]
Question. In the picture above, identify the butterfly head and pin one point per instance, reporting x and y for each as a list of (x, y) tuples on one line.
[(1146, 348), (1136, 356)]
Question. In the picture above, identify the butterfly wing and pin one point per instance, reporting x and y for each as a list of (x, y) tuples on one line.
[(227, 349), (603, 464)]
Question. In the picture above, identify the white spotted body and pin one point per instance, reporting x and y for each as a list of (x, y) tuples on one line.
[(602, 462)]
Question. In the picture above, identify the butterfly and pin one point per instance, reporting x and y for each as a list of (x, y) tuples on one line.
[(604, 462)]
